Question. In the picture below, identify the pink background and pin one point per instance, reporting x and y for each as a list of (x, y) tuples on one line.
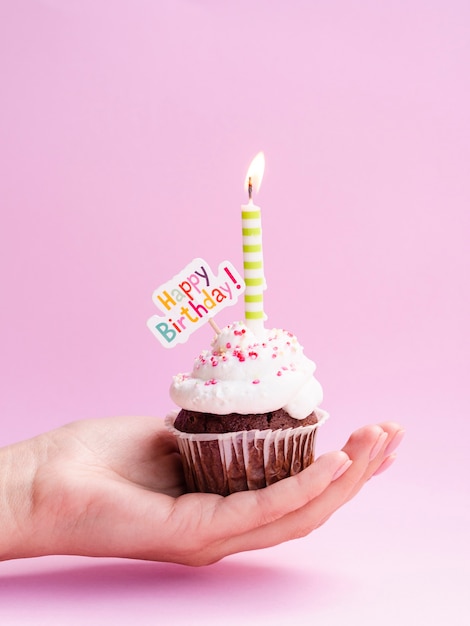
[(126, 128)]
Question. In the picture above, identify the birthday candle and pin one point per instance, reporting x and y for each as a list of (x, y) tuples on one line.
[(253, 249)]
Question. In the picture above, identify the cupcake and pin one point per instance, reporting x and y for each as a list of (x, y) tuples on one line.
[(249, 411)]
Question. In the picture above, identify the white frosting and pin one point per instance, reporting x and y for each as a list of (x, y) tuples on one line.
[(243, 373)]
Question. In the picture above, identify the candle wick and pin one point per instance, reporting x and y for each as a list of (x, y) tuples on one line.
[(250, 188)]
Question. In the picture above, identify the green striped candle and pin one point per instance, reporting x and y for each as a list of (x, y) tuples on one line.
[(253, 249)]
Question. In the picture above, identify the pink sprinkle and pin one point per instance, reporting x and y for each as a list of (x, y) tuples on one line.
[(228, 345), (239, 354), (253, 355), (284, 368), (212, 381), (273, 355), (255, 382), (279, 373)]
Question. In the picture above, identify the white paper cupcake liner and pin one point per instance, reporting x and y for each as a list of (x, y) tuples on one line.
[(243, 460)]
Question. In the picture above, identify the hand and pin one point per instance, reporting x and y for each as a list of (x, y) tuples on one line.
[(115, 487)]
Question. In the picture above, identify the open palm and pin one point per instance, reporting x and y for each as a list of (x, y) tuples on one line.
[(115, 487)]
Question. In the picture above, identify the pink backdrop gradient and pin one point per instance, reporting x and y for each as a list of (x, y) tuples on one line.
[(126, 129)]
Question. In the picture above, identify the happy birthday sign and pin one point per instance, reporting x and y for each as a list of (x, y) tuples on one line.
[(192, 298)]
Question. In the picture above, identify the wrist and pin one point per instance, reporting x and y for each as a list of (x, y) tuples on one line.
[(19, 534)]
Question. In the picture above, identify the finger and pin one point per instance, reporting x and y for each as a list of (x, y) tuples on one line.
[(278, 500), (302, 521), (395, 437), (394, 441), (380, 458), (286, 510), (222, 520), (386, 463), (383, 448), (253, 509)]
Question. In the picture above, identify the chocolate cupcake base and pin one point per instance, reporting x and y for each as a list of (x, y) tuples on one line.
[(195, 422), (224, 463)]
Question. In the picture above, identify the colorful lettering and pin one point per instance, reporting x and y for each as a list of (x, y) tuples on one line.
[(194, 295)]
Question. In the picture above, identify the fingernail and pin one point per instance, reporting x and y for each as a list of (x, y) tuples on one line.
[(378, 446), (340, 471), (396, 441), (386, 463)]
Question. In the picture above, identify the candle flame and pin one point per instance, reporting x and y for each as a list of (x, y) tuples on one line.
[(254, 176)]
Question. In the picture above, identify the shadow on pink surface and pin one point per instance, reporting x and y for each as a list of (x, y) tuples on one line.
[(172, 587)]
